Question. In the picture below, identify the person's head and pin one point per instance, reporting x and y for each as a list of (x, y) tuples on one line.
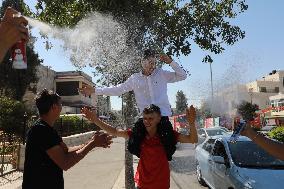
[(151, 116), (48, 103), (149, 61), (152, 120)]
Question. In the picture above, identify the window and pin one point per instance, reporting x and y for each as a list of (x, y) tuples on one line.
[(262, 89), (273, 103), (209, 145), (68, 88), (219, 150), (281, 102), (201, 132), (276, 89)]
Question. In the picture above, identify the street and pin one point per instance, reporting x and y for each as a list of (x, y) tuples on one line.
[(183, 170)]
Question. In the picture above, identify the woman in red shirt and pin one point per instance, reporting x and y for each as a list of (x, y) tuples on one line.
[(154, 151)]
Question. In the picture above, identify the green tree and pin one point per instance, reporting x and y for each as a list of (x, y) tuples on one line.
[(14, 83), (247, 110), (181, 102), (168, 24), (277, 134), (11, 116)]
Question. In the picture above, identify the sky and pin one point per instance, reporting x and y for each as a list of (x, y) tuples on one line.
[(256, 55)]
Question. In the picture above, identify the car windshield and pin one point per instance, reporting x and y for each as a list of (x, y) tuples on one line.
[(248, 154), (214, 132)]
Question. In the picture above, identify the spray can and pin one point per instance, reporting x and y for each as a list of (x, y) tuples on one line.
[(19, 56), (18, 50), (240, 127)]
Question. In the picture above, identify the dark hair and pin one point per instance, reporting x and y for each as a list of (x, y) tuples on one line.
[(164, 130), (152, 108), (149, 53), (45, 99)]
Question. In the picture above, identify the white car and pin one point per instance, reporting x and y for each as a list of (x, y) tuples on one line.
[(204, 133), (240, 165)]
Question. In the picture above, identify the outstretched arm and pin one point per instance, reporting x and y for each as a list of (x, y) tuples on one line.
[(110, 91), (274, 148), (179, 74), (91, 115), (66, 159), (192, 137)]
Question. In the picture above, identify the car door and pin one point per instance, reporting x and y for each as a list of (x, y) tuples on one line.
[(203, 160), (220, 172)]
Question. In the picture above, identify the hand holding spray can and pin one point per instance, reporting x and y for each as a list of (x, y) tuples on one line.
[(240, 127), (19, 57)]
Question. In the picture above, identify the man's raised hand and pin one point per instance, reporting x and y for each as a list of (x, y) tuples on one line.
[(87, 90), (165, 58), (89, 114), (191, 115), (102, 139)]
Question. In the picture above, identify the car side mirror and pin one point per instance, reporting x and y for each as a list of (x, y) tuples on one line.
[(218, 159)]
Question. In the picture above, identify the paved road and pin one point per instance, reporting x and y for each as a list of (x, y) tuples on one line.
[(183, 170)]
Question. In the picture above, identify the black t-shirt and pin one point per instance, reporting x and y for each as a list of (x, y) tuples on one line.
[(40, 171)]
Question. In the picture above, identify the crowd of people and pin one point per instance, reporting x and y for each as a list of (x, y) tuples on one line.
[(152, 138)]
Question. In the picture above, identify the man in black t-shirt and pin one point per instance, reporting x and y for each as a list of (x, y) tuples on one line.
[(46, 154)]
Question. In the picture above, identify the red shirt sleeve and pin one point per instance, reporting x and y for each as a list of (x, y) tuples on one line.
[(129, 132)]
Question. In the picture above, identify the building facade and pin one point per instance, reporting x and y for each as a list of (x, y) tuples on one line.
[(66, 84)]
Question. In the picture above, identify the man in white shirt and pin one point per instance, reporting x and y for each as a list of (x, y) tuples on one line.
[(150, 87)]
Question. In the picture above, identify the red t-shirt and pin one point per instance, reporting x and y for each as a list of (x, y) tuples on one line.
[(153, 171)]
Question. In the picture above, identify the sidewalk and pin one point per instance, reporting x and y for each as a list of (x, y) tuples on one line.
[(101, 168)]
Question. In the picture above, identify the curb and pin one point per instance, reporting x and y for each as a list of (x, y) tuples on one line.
[(120, 181)]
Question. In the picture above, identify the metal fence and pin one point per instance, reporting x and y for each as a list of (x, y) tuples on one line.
[(9, 153)]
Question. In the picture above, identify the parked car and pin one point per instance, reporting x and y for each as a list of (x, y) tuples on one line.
[(204, 133), (240, 165)]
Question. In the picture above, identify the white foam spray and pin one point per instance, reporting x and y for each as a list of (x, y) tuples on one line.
[(97, 41)]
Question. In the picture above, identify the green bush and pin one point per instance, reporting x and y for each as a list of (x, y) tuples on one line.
[(11, 116), (72, 125), (277, 134)]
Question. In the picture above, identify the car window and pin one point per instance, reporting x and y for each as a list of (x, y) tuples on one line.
[(248, 154), (200, 132), (215, 132), (209, 145), (219, 150)]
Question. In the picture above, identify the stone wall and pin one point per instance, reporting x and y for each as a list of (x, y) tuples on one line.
[(73, 140)]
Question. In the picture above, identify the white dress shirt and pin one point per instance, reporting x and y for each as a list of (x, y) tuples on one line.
[(150, 89)]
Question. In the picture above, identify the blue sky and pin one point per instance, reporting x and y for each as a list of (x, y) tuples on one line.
[(262, 49)]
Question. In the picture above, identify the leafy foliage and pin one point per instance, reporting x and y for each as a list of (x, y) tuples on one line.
[(181, 102), (277, 134), (68, 125), (247, 110), (11, 116), (170, 24)]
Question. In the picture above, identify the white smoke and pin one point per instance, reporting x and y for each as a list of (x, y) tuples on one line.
[(97, 40), (229, 88)]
